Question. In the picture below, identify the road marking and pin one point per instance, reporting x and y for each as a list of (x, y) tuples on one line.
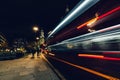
[(87, 69)]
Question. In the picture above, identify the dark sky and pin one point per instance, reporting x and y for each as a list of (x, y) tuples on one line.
[(17, 17)]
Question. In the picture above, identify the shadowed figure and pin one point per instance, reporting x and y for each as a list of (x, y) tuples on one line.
[(38, 50)]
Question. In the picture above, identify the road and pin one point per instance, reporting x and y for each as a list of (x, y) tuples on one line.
[(74, 67), (71, 66)]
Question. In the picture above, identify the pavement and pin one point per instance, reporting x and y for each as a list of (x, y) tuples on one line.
[(27, 68)]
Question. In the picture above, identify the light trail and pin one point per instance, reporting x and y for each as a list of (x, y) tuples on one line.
[(87, 69), (110, 12), (90, 55), (96, 34), (98, 57), (92, 21), (111, 52), (102, 39), (80, 8)]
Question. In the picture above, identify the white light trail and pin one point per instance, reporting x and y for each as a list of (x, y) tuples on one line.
[(80, 8), (106, 34)]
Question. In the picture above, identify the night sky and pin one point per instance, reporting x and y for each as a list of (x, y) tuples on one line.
[(17, 17)]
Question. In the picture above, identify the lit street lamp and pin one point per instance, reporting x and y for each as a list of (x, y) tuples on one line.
[(35, 28), (37, 38), (40, 38)]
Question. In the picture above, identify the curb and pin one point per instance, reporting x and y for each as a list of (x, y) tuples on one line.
[(53, 68)]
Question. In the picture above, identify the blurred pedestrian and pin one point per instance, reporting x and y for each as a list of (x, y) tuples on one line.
[(33, 51), (38, 50)]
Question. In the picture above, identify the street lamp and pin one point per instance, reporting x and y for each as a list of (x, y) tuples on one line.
[(40, 38), (35, 28), (37, 38)]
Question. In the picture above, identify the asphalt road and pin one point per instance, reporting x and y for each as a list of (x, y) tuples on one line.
[(74, 67)]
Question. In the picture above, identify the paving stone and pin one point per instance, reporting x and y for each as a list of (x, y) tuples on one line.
[(26, 68)]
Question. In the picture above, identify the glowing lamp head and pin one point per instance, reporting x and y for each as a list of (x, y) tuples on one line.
[(35, 28)]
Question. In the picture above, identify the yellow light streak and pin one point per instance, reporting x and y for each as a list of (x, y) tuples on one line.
[(88, 23), (87, 69), (51, 54), (91, 55), (92, 21)]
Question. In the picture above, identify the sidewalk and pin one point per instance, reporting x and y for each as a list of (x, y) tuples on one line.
[(26, 68)]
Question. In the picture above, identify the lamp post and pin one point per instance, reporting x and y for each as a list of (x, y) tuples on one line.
[(36, 29), (40, 38), (36, 45)]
